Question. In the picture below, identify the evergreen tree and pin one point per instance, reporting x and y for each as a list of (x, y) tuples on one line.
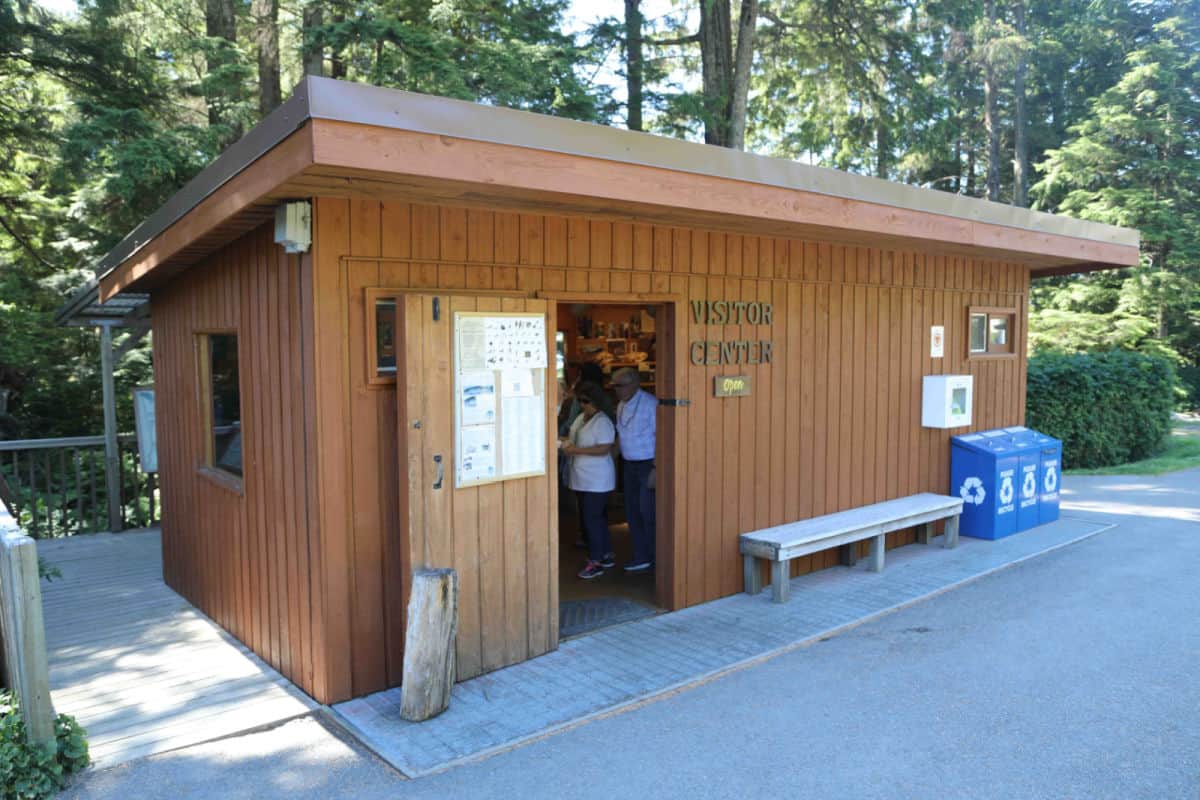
[(1133, 162)]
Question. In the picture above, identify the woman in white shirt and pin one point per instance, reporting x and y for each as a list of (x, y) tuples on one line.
[(593, 476)]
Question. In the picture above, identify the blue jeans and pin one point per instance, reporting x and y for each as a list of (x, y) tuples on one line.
[(639, 508), (594, 521)]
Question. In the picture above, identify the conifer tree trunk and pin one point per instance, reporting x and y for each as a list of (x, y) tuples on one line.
[(743, 63), (1020, 122), (220, 20), (716, 67), (337, 63), (633, 64), (990, 120), (312, 54), (266, 35)]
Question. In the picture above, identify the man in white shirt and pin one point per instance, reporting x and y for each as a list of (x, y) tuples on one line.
[(637, 413)]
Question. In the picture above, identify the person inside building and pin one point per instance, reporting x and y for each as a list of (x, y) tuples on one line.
[(636, 430), (593, 476), (589, 372)]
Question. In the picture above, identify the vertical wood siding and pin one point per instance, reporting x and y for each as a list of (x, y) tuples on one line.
[(242, 557), (833, 422)]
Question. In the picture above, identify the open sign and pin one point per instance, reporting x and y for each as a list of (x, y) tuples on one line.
[(731, 386)]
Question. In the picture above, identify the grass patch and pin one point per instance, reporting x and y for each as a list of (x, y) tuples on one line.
[(1182, 452)]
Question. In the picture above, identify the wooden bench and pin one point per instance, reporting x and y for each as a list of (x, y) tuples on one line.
[(779, 545)]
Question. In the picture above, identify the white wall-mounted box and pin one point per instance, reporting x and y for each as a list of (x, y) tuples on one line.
[(946, 401)]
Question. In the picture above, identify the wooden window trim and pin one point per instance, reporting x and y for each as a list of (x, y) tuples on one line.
[(224, 479), (990, 312), (371, 375)]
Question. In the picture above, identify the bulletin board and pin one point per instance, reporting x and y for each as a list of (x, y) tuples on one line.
[(500, 363)]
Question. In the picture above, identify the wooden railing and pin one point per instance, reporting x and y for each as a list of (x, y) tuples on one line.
[(57, 487)]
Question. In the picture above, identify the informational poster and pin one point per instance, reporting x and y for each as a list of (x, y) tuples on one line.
[(147, 436), (524, 443), (478, 458), (500, 396), (471, 343), (477, 396)]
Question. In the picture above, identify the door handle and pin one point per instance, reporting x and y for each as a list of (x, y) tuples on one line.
[(437, 484)]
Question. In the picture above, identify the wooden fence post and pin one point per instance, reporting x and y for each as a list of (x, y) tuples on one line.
[(429, 644), (112, 452), (24, 633)]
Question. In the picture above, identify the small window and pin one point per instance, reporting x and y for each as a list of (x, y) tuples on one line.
[(991, 331), (385, 337), (225, 403), (382, 331), (979, 333)]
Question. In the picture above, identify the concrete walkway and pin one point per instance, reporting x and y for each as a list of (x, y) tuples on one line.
[(1071, 675), (602, 673), (140, 668)]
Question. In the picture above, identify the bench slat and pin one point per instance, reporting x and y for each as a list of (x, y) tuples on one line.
[(819, 533)]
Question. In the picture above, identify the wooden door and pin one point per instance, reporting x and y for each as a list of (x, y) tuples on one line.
[(502, 537)]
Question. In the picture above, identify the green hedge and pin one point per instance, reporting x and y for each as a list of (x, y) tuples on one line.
[(1189, 378), (1108, 408)]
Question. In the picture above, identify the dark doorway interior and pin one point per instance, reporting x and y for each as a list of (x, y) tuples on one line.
[(610, 337)]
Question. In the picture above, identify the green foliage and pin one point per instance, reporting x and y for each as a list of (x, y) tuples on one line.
[(1107, 408), (505, 52), (32, 773), (1189, 379), (1182, 451), (48, 571)]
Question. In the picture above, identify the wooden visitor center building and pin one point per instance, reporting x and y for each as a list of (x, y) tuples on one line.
[(326, 422)]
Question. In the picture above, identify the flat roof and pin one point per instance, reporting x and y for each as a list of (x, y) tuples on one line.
[(317, 100)]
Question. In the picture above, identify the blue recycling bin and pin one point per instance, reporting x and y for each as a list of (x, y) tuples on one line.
[(1049, 470), (983, 472)]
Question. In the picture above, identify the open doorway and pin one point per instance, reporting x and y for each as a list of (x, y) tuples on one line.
[(600, 347)]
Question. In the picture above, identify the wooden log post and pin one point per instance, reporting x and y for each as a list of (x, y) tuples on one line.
[(23, 632), (429, 644)]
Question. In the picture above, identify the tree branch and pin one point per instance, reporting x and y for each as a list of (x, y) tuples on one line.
[(695, 37), (25, 245)]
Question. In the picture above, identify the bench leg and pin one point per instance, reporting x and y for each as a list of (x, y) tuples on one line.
[(924, 532), (780, 578), (951, 532), (878, 543), (848, 554), (751, 574)]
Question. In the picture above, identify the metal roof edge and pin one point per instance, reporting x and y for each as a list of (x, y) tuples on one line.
[(358, 103), (364, 104)]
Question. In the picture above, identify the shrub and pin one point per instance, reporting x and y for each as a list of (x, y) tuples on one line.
[(1108, 408), (33, 773), (1189, 377)]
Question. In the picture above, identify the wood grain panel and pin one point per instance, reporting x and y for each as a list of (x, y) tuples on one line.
[(241, 556), (324, 535)]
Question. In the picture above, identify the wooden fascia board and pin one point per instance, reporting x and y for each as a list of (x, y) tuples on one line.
[(499, 168), (286, 160)]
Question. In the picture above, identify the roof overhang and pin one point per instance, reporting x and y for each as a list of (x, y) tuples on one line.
[(334, 138)]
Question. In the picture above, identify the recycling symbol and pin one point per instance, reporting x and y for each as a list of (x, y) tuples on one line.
[(1050, 482), (972, 491), (1029, 487), (1006, 490)]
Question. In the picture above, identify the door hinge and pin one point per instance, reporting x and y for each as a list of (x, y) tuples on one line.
[(676, 402), (437, 308)]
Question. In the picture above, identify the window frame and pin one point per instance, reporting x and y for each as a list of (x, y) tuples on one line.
[(207, 468), (1009, 313), (371, 298)]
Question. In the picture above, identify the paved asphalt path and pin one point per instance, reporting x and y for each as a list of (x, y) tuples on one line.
[(1072, 675)]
